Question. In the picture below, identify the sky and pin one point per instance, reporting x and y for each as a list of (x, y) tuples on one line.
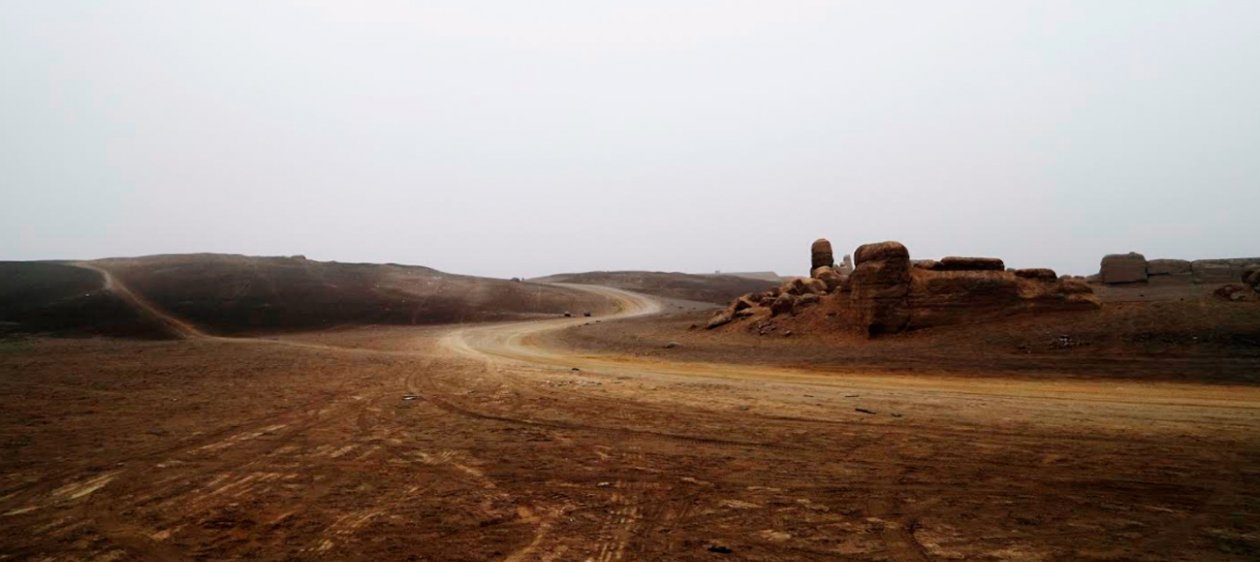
[(508, 138)]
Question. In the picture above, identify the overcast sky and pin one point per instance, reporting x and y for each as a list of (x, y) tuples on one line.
[(523, 138)]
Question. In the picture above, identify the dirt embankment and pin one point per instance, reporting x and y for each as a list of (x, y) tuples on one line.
[(236, 295), (718, 289)]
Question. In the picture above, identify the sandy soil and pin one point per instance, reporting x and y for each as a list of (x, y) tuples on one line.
[(499, 442)]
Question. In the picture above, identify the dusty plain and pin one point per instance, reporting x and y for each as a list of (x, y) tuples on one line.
[(531, 441)]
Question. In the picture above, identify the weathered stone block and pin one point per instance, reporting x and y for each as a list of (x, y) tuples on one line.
[(1123, 268)]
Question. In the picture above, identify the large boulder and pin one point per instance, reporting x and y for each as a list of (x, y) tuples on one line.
[(878, 251), (803, 286), (782, 304), (721, 318), (879, 287), (820, 254), (1167, 267), (1123, 268), (830, 278), (957, 263)]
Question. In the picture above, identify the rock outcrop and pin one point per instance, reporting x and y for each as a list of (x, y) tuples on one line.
[(820, 254), (1134, 268), (879, 286), (887, 294), (1123, 268)]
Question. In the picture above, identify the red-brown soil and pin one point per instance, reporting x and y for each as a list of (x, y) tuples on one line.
[(500, 442)]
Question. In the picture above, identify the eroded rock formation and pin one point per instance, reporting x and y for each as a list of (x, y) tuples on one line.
[(880, 285), (1123, 268), (1135, 268), (820, 254), (886, 293)]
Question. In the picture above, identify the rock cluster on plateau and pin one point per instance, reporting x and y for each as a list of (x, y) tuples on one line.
[(881, 291), (1133, 267)]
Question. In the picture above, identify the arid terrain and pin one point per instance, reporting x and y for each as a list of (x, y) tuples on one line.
[(1130, 433), (714, 289)]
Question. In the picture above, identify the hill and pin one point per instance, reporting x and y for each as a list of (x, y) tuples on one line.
[(60, 298), (233, 295)]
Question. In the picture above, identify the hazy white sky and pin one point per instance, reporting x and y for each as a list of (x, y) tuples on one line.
[(522, 138)]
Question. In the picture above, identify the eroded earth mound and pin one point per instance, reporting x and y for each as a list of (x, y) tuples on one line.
[(887, 293)]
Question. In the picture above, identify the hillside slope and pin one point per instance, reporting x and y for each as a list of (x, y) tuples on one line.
[(60, 298), (232, 295)]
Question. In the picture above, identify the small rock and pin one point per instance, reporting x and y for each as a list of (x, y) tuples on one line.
[(671, 345), (719, 549)]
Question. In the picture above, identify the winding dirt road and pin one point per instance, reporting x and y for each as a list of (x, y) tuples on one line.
[(491, 442)]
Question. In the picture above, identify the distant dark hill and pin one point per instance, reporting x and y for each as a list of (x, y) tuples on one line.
[(233, 295), (60, 298), (718, 289)]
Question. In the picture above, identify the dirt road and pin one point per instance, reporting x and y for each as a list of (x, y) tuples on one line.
[(491, 443), (176, 326)]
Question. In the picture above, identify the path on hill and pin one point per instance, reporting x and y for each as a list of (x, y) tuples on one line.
[(177, 326)]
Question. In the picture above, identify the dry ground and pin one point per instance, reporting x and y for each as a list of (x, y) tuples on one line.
[(483, 443)]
